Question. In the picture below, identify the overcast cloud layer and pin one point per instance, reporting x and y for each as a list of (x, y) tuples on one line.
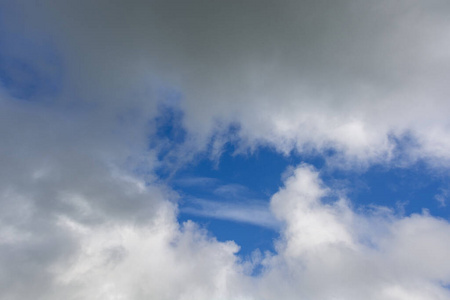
[(84, 214)]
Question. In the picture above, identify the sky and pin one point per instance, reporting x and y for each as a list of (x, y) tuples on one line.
[(224, 150)]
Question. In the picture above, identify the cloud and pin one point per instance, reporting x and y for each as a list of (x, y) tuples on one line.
[(298, 75), (62, 165), (442, 197), (328, 251), (196, 182), (78, 223), (251, 212), (84, 214), (157, 261), (232, 202), (79, 229)]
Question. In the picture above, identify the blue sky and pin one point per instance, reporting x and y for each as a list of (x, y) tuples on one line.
[(226, 150), (257, 176), (249, 179)]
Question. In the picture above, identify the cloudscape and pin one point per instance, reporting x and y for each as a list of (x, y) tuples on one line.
[(225, 150)]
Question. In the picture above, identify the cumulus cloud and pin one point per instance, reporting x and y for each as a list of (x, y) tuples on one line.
[(110, 235), (78, 223), (328, 251), (84, 214), (356, 77)]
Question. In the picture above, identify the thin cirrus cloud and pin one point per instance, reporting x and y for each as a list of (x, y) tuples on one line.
[(230, 202), (250, 211), (85, 214)]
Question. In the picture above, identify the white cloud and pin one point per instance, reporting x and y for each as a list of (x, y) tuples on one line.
[(77, 223), (129, 262), (442, 197), (330, 252), (109, 236), (247, 211)]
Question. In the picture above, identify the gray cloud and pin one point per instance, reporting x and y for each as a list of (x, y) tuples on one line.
[(79, 222), (304, 75)]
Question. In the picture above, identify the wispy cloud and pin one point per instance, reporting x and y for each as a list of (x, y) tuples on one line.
[(251, 212), (442, 197), (204, 182), (232, 202), (232, 190)]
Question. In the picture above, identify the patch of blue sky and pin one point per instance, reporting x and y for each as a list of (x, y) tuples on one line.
[(406, 190), (259, 172), (169, 124), (238, 190), (30, 67), (230, 195), (30, 79), (20, 79), (169, 133), (221, 195), (258, 176)]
